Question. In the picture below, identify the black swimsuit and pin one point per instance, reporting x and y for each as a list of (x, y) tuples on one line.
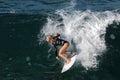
[(58, 42)]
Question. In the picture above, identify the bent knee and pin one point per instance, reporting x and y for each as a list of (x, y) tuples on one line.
[(60, 54)]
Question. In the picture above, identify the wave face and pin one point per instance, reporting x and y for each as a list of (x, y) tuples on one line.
[(86, 29)]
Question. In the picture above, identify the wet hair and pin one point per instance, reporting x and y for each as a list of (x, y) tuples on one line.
[(50, 36)]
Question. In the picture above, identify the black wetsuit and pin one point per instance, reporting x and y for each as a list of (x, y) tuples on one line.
[(58, 42)]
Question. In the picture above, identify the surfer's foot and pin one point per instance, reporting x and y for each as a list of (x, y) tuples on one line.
[(72, 53), (68, 61)]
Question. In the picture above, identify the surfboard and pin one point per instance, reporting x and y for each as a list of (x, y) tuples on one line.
[(68, 66)]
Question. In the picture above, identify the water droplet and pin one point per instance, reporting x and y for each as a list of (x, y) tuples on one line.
[(112, 36), (10, 59), (29, 63), (28, 58)]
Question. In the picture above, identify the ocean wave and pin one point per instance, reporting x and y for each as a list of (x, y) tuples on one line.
[(86, 29)]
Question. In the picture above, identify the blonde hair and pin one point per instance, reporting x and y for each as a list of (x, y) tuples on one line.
[(50, 37), (51, 40)]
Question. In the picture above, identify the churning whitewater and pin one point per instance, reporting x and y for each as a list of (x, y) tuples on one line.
[(85, 29)]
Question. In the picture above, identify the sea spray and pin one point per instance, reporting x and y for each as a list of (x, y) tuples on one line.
[(86, 29)]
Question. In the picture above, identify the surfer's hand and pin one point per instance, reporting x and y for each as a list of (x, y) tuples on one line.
[(56, 33), (57, 58)]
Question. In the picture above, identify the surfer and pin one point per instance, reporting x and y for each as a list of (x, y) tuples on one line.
[(56, 41)]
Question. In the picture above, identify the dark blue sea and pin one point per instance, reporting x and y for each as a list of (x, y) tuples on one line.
[(92, 28)]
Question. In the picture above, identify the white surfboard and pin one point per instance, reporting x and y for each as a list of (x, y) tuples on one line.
[(68, 66)]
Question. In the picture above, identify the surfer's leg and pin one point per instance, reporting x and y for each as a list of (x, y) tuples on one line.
[(70, 53), (67, 52), (61, 52)]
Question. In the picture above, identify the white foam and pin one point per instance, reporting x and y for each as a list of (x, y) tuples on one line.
[(87, 29)]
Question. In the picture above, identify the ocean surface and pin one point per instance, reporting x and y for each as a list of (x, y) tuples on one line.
[(91, 26)]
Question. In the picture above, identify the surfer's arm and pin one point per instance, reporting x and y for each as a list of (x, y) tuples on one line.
[(56, 53)]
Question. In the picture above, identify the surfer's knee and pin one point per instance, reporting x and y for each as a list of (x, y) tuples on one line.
[(60, 53)]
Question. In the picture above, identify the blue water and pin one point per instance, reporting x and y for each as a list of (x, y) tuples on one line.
[(91, 26), (43, 6)]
